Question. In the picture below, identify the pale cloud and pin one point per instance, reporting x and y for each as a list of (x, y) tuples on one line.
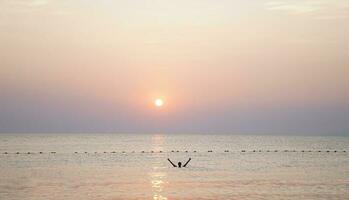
[(29, 6), (320, 9), (294, 7), (25, 3), (39, 3)]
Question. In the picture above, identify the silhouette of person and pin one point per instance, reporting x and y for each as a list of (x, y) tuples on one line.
[(179, 163)]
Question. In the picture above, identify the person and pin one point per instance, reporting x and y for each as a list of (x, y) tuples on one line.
[(179, 163)]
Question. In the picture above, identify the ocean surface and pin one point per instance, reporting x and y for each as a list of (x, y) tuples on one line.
[(120, 166)]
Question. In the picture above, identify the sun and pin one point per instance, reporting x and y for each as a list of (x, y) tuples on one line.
[(159, 102)]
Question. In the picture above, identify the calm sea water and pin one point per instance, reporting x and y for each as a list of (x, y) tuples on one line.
[(288, 173)]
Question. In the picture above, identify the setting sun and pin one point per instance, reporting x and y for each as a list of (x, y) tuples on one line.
[(159, 102)]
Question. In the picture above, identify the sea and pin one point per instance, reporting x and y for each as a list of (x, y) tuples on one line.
[(135, 167)]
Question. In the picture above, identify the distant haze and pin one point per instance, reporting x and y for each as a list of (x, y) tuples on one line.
[(242, 66)]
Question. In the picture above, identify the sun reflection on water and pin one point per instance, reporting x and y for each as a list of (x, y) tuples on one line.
[(157, 176), (159, 197), (157, 182), (157, 142)]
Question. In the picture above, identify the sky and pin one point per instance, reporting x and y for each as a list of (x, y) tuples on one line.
[(228, 66)]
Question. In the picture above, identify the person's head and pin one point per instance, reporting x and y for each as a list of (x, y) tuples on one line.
[(179, 164)]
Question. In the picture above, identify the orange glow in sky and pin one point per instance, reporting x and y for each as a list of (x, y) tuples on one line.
[(184, 66)]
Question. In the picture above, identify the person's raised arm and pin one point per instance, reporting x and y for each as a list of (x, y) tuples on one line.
[(171, 162), (187, 162)]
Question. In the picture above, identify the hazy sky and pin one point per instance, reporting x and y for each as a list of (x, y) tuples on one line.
[(227, 66)]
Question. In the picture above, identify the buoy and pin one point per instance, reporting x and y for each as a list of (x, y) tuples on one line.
[(302, 150), (40, 152), (335, 151), (254, 151), (328, 151)]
